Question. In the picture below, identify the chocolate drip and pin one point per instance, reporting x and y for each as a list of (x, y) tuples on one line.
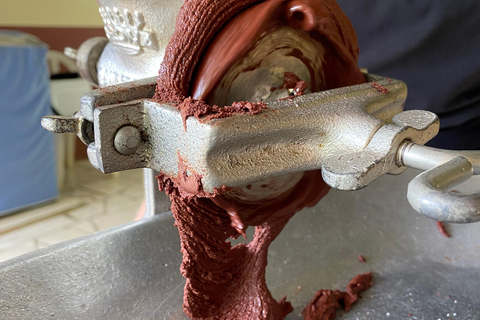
[(225, 282)]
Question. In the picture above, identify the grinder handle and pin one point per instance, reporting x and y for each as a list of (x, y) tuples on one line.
[(430, 192)]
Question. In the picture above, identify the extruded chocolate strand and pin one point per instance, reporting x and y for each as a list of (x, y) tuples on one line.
[(225, 282)]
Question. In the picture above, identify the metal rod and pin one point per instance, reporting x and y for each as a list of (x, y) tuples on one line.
[(428, 193), (425, 158)]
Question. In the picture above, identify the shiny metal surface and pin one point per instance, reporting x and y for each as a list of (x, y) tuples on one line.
[(124, 92), (156, 201), (430, 193), (127, 140), (131, 272), (139, 32), (425, 158)]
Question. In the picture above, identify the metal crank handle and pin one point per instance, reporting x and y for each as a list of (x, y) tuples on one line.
[(429, 193)]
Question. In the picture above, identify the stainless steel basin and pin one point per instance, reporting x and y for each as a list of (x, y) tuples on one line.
[(131, 272)]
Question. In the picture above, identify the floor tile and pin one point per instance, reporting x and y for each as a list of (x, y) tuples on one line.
[(25, 218), (41, 244), (119, 202), (89, 210), (83, 172), (62, 235), (21, 248), (86, 195), (84, 226), (104, 201), (115, 218), (110, 186), (13, 238), (137, 192)]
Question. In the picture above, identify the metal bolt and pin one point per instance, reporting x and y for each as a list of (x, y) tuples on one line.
[(127, 140)]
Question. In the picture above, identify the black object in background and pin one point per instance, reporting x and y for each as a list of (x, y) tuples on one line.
[(432, 45)]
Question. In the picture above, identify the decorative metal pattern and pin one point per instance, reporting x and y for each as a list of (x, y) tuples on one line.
[(126, 29)]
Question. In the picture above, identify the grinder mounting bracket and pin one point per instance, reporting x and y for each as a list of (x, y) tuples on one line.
[(354, 134)]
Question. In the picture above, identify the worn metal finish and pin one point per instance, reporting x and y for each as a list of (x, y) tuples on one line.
[(357, 169), (132, 271), (138, 33), (60, 124), (289, 136), (125, 92), (108, 120), (76, 124), (354, 134)]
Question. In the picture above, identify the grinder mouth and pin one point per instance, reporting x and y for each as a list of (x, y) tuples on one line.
[(252, 56), (271, 70)]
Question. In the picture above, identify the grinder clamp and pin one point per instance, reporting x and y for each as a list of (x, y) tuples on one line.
[(353, 134)]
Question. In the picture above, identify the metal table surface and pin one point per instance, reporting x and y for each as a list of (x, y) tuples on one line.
[(131, 272)]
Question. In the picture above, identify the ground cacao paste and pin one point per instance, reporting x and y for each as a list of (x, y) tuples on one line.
[(325, 304), (225, 281)]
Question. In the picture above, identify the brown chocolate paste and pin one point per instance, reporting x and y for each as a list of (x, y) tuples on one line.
[(325, 304), (225, 281), (292, 81), (380, 88), (441, 228)]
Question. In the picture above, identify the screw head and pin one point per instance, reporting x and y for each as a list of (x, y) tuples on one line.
[(127, 140)]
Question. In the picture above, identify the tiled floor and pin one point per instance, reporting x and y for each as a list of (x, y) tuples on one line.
[(91, 201)]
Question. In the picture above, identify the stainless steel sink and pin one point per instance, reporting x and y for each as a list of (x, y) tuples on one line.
[(131, 272)]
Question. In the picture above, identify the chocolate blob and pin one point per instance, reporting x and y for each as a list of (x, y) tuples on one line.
[(224, 281), (325, 304)]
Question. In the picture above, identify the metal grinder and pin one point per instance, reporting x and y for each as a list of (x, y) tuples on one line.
[(353, 134)]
